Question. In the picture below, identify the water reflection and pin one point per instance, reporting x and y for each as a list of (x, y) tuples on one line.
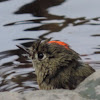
[(39, 8), (55, 27), (18, 74)]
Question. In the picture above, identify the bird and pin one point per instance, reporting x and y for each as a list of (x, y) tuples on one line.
[(56, 65)]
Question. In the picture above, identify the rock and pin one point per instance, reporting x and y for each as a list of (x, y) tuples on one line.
[(10, 96), (53, 95), (42, 95), (89, 89)]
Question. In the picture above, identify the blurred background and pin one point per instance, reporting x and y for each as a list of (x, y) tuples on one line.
[(76, 22)]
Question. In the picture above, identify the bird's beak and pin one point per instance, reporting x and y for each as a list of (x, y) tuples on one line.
[(24, 49)]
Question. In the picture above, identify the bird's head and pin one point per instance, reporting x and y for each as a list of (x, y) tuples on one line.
[(51, 55)]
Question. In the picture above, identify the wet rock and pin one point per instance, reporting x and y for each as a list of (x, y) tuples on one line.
[(89, 89)]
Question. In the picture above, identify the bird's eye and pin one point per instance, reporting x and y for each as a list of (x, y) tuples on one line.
[(40, 55)]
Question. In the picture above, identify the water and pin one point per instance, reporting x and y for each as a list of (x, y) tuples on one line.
[(21, 22)]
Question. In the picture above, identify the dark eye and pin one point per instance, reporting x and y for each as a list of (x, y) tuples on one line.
[(40, 55)]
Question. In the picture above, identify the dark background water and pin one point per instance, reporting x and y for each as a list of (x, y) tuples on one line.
[(76, 22)]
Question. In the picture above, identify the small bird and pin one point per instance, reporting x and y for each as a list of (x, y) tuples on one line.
[(57, 66)]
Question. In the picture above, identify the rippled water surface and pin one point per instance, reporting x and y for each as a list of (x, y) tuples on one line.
[(76, 22)]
